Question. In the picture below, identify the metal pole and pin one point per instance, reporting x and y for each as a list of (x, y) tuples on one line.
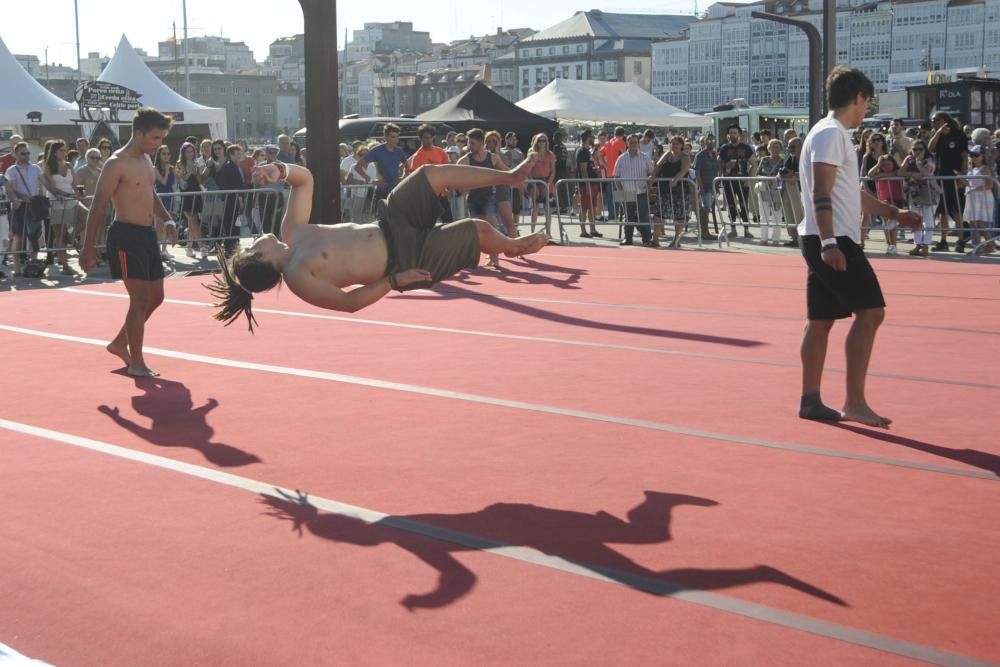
[(829, 40), (816, 78), (187, 68), (177, 83), (76, 20)]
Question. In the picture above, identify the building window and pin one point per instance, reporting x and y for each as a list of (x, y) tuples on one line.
[(579, 72), (249, 108), (538, 52), (552, 50), (524, 53), (223, 90), (565, 71), (566, 49), (637, 67), (524, 77), (579, 48), (268, 110)]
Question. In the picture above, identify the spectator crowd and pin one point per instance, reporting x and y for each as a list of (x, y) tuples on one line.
[(664, 187)]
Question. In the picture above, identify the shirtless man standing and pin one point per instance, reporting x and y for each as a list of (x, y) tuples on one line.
[(405, 250), (126, 181)]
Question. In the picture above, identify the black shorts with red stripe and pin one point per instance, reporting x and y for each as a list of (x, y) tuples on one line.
[(133, 252)]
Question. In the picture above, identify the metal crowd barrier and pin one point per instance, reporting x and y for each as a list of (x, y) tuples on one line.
[(767, 203), (536, 193), (203, 218), (358, 200), (942, 201), (619, 202)]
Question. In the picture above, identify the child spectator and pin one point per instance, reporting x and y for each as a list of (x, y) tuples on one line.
[(979, 197), (889, 189), (916, 168)]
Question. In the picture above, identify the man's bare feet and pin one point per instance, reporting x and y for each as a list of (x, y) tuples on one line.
[(521, 172), (142, 372), (120, 351), (864, 415), (529, 244)]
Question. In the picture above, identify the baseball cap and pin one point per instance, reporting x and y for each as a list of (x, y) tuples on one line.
[(976, 150)]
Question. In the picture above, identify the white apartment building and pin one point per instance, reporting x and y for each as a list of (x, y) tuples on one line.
[(208, 51), (385, 38), (670, 72), (731, 55)]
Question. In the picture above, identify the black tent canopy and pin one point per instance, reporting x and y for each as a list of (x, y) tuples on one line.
[(479, 106)]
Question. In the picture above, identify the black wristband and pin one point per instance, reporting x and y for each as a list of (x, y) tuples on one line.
[(392, 282)]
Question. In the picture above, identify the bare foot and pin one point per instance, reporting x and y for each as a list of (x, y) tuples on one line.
[(521, 172), (865, 415), (142, 372), (529, 244), (120, 351)]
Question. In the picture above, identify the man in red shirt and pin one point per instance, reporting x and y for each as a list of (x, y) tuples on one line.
[(611, 152), (428, 153), (8, 160)]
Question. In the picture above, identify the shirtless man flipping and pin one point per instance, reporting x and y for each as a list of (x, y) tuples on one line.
[(126, 181), (405, 250)]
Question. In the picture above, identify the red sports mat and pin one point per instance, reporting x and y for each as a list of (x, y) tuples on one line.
[(900, 552)]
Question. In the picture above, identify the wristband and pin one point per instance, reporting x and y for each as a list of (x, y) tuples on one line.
[(829, 243), (392, 282), (282, 170)]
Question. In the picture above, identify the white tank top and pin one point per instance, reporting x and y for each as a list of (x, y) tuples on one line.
[(62, 183)]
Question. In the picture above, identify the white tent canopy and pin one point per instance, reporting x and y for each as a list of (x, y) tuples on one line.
[(607, 102), (23, 95), (127, 69)]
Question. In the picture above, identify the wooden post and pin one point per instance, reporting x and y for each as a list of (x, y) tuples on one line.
[(322, 107)]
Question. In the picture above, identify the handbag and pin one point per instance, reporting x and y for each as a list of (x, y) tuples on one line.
[(38, 205)]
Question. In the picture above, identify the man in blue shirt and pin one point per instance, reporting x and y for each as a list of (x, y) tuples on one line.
[(388, 157)]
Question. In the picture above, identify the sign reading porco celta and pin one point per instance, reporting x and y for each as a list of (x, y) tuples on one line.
[(96, 96)]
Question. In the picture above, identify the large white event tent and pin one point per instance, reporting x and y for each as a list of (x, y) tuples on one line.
[(127, 69), (607, 102), (22, 95)]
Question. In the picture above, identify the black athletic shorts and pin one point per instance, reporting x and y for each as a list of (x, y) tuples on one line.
[(133, 252), (834, 295)]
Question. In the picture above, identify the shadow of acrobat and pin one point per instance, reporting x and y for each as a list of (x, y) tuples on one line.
[(579, 538), (451, 290), (176, 422), (973, 457)]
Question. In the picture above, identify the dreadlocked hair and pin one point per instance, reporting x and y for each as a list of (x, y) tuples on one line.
[(241, 275)]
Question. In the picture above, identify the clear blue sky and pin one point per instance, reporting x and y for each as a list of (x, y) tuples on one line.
[(29, 26)]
